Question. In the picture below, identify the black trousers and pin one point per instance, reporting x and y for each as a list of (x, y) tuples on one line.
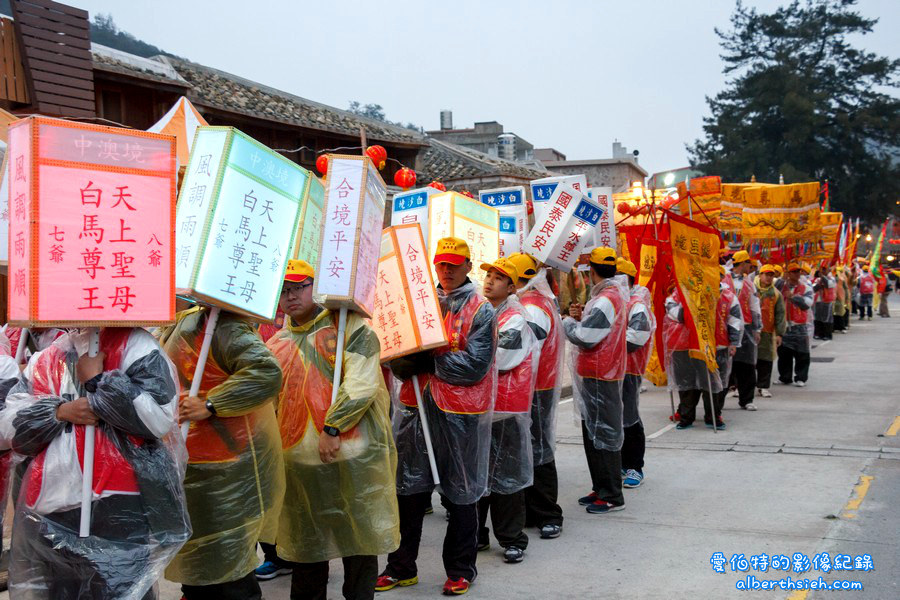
[(792, 365), (507, 518), (271, 555), (687, 405), (460, 542), (633, 447), (309, 581), (245, 588), (541, 506), (605, 467), (823, 330), (763, 373), (745, 376)]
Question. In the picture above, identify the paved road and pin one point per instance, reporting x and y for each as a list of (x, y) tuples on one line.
[(812, 471)]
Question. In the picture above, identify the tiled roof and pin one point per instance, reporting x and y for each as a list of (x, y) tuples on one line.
[(447, 162), (116, 61)]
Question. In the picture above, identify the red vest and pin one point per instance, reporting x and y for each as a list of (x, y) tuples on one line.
[(636, 362), (726, 295), (866, 284), (744, 299), (606, 360), (548, 364), (676, 336), (795, 314), (767, 307), (514, 386)]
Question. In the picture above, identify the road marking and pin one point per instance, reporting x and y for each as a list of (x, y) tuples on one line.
[(894, 428), (826, 342), (798, 595), (861, 489), (661, 431)]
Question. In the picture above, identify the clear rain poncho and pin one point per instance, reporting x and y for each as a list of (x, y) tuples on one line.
[(542, 312), (459, 384), (512, 459), (638, 344), (683, 371), (9, 376), (347, 507), (235, 474), (598, 362), (138, 514)]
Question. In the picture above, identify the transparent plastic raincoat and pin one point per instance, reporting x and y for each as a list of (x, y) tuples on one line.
[(749, 301), (459, 384), (235, 475), (683, 371), (638, 344), (9, 376), (542, 313), (598, 362), (512, 460), (138, 514), (729, 328), (798, 300), (347, 507)]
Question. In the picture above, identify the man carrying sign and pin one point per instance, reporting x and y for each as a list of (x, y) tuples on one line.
[(598, 331), (512, 466), (340, 500), (744, 365), (459, 384)]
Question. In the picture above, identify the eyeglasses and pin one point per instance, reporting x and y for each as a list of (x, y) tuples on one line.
[(295, 288)]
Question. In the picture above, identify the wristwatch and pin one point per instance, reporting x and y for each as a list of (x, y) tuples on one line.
[(210, 407), (332, 431)]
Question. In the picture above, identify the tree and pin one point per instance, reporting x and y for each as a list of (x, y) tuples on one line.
[(105, 32), (804, 102), (375, 111)]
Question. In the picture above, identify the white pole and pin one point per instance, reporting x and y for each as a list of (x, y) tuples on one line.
[(426, 431), (672, 404), (339, 355), (87, 478), (712, 404), (23, 343), (201, 361)]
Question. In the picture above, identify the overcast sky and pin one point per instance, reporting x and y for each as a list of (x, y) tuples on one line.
[(572, 75)]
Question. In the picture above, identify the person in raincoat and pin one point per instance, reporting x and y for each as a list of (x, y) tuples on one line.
[(774, 323), (9, 376), (729, 332), (459, 384), (235, 476), (598, 332), (842, 300), (867, 285), (542, 509), (825, 293), (129, 392), (744, 361), (339, 459), (793, 353), (512, 460), (641, 325)]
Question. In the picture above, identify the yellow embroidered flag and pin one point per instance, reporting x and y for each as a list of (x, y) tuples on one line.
[(731, 207), (707, 194), (783, 213)]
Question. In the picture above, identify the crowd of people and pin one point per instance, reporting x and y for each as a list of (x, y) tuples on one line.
[(275, 456)]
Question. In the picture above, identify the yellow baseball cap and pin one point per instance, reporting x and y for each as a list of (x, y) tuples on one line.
[(805, 268), (626, 266), (794, 267), (451, 250), (603, 256), (866, 268), (767, 269), (722, 271), (299, 270), (505, 266), (525, 265), (740, 256), (779, 270)]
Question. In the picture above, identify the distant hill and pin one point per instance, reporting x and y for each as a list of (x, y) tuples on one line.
[(105, 32)]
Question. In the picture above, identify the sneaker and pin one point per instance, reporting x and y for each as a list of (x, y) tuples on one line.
[(800, 383), (550, 531), (780, 382), (749, 406), (720, 424), (483, 545), (429, 510), (734, 394), (270, 570), (624, 473), (389, 582), (684, 425), (589, 499), (765, 393), (643, 388), (513, 555), (601, 507), (456, 587), (633, 479)]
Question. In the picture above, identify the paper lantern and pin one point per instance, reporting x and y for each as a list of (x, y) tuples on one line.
[(306, 246), (378, 155), (350, 244), (405, 178), (238, 214), (407, 316), (91, 221), (452, 214), (510, 203), (565, 228), (605, 231), (438, 186), (322, 164), (542, 189), (467, 194), (412, 207)]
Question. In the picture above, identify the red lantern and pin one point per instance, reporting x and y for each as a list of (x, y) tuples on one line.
[(322, 164), (624, 208), (438, 185), (378, 155), (405, 178), (468, 194)]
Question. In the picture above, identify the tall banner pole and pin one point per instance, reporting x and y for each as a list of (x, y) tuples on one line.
[(201, 360), (426, 431), (87, 477)]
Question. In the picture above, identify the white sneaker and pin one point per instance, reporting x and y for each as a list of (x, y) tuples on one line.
[(765, 393), (734, 394), (800, 383), (750, 406)]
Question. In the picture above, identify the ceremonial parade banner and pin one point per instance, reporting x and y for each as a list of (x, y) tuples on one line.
[(407, 316), (605, 231), (412, 207), (780, 213), (238, 213), (731, 207), (453, 215), (830, 228), (350, 243), (91, 218), (695, 256), (306, 246), (4, 213), (565, 228), (510, 203), (542, 190), (706, 193)]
